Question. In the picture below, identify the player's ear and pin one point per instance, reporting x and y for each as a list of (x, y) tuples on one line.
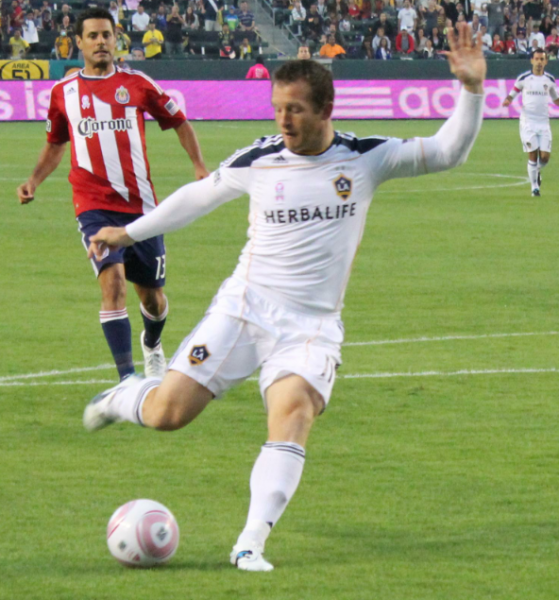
[(327, 111), (78, 41)]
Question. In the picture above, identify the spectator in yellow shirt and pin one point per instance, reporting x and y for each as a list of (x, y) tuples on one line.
[(331, 49), (122, 42), (63, 46), (18, 45), (153, 41)]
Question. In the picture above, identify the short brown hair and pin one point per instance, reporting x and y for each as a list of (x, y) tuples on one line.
[(318, 78), (93, 13)]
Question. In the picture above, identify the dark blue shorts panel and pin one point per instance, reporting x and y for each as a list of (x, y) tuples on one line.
[(144, 262)]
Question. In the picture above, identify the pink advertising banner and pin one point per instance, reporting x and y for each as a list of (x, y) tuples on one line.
[(250, 100)]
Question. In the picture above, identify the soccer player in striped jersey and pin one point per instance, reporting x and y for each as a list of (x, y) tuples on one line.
[(310, 189), (536, 87), (100, 111)]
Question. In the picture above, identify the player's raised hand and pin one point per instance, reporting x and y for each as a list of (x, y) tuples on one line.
[(106, 239), (26, 192), (466, 58)]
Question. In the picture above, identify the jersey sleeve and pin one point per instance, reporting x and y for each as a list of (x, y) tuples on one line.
[(57, 122), (448, 148), (161, 106), (517, 88), (553, 91), (186, 205)]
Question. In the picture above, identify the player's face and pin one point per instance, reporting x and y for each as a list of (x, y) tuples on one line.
[(303, 129), (539, 60), (97, 44)]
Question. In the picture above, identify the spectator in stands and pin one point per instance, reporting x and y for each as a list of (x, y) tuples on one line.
[(383, 22), (536, 36), (322, 8), (437, 39), (430, 16), (552, 42), (231, 18), (227, 43), (367, 51), (404, 42), (67, 26), (353, 10), (246, 18), (331, 49), (47, 24), (63, 46), (521, 43), (173, 38), (66, 12), (345, 24), (152, 41), (123, 43), (546, 26), (510, 44), (475, 25), (298, 17), (245, 49), (191, 20), (338, 35), (30, 33), (339, 7), (407, 18), (420, 42), (140, 19), (115, 12), (533, 9), (377, 39), (303, 52), (479, 8), (258, 70), (18, 46), (313, 27), (486, 40), (17, 17), (428, 51), (37, 19), (498, 46), (496, 17), (383, 51), (137, 54), (211, 11), (161, 18)]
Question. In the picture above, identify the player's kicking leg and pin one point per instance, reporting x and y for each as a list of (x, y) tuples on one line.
[(543, 159), (293, 404)]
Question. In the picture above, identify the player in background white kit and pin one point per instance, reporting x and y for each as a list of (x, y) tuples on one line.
[(536, 87), (310, 189)]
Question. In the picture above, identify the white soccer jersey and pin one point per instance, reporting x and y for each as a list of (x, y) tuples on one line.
[(536, 91), (307, 213)]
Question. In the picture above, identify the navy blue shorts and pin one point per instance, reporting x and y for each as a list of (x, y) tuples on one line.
[(144, 262)]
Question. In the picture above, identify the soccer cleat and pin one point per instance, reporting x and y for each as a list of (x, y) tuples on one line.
[(96, 414), (250, 559), (536, 192), (154, 359)]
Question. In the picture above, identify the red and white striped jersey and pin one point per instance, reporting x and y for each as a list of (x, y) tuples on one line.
[(103, 117)]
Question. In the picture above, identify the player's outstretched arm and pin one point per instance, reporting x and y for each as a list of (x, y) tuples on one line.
[(49, 159)]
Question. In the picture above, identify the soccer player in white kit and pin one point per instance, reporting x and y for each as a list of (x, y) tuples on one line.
[(536, 87), (310, 188)]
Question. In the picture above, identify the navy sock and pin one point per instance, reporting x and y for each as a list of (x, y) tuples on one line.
[(118, 333), (153, 325)]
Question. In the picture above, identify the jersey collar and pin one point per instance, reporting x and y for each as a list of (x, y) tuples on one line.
[(84, 76)]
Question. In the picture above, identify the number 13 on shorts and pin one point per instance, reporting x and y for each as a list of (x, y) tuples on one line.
[(160, 267)]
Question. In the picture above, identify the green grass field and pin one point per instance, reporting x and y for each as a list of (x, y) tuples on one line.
[(432, 475)]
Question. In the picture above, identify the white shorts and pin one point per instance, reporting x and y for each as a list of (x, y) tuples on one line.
[(243, 331), (535, 136)]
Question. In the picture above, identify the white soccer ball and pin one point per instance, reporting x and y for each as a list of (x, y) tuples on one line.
[(142, 533)]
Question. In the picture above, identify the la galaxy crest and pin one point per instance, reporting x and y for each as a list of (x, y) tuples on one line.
[(343, 186), (198, 355), (122, 95)]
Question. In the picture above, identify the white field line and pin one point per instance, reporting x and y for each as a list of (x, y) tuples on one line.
[(461, 372), (447, 338), (105, 367)]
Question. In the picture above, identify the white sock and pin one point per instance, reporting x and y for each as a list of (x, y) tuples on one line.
[(541, 165), (128, 402), (533, 174), (274, 479)]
